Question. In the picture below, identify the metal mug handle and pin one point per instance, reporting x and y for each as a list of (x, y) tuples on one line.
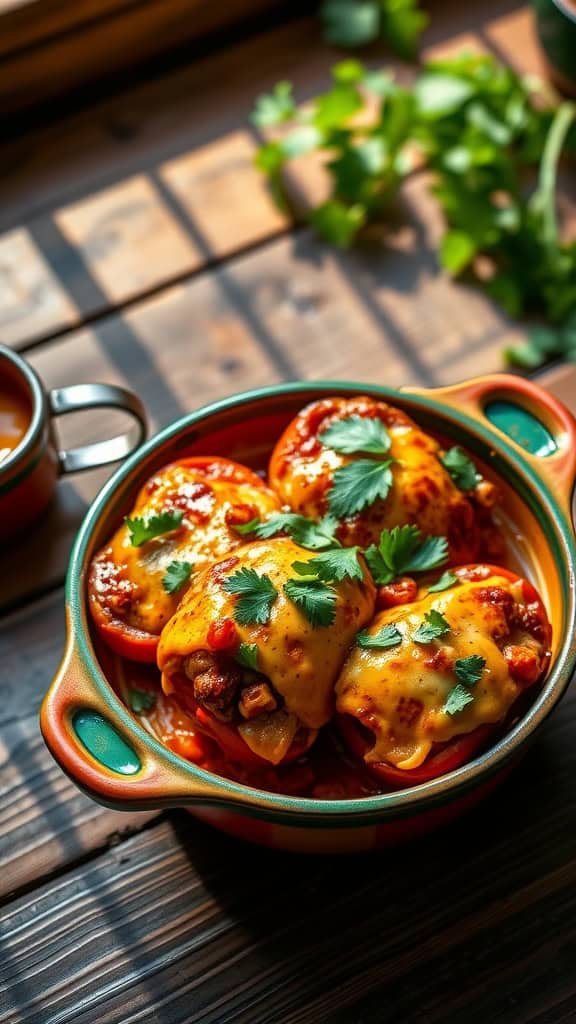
[(78, 397)]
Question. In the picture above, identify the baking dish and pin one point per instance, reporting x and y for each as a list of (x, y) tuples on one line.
[(521, 437)]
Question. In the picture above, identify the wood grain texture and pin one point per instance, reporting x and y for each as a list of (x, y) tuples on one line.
[(54, 48), (183, 925), (45, 822)]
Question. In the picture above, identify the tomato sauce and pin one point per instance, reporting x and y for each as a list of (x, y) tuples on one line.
[(14, 420)]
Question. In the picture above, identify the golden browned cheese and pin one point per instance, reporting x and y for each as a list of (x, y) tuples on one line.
[(423, 493), (126, 581), (300, 660), (399, 693)]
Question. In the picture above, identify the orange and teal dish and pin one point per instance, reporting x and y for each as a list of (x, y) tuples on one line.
[(323, 616)]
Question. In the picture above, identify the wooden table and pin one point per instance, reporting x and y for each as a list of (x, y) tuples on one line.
[(139, 246)]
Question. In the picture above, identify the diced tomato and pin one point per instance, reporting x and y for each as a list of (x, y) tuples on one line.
[(401, 591), (222, 635)]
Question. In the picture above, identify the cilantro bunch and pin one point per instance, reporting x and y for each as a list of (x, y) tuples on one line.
[(492, 140), (365, 161)]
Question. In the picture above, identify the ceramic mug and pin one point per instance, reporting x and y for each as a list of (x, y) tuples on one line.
[(29, 470)]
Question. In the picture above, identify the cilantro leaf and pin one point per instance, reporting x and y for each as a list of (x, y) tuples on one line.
[(338, 223), (140, 701), (447, 579), (306, 532), (402, 25), (388, 636), (458, 698), (358, 485), (176, 576), (402, 550), (315, 599), (256, 596), (145, 528), (357, 434), (469, 670), (350, 24), (433, 627), (461, 468), (247, 655), (245, 529), (275, 107), (332, 566)]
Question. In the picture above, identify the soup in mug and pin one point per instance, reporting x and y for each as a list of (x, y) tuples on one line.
[(14, 418)]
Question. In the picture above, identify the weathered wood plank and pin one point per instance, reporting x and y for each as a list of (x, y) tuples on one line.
[(61, 51), (179, 924), (45, 822)]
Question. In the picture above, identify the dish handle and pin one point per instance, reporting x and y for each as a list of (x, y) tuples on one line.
[(99, 748), (531, 419)]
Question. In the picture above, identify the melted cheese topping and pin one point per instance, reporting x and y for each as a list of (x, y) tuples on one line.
[(422, 493), (203, 538), (301, 661), (399, 693)]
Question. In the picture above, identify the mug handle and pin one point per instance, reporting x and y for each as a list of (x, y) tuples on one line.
[(77, 397), (531, 419), (99, 747)]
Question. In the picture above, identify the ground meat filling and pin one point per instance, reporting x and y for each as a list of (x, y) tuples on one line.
[(227, 690)]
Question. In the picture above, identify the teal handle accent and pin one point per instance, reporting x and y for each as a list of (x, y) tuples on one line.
[(522, 427), (104, 743)]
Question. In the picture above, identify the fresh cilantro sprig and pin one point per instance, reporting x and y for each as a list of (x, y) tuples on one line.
[(403, 550), (358, 485), (357, 434), (332, 566), (367, 158), (145, 528), (247, 655), (256, 595), (176, 576), (315, 599), (359, 22), (306, 532), (447, 579), (140, 701), (388, 636), (461, 468), (469, 672), (433, 627), (245, 529)]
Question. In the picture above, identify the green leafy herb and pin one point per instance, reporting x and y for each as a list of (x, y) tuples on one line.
[(176, 576), (358, 485), (447, 580), (256, 595), (140, 701), (245, 529), (357, 434), (143, 529), (461, 469), (315, 599), (388, 636), (332, 566), (368, 156), (306, 532), (469, 670), (402, 550), (358, 22), (458, 698), (275, 107), (247, 655), (433, 627)]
